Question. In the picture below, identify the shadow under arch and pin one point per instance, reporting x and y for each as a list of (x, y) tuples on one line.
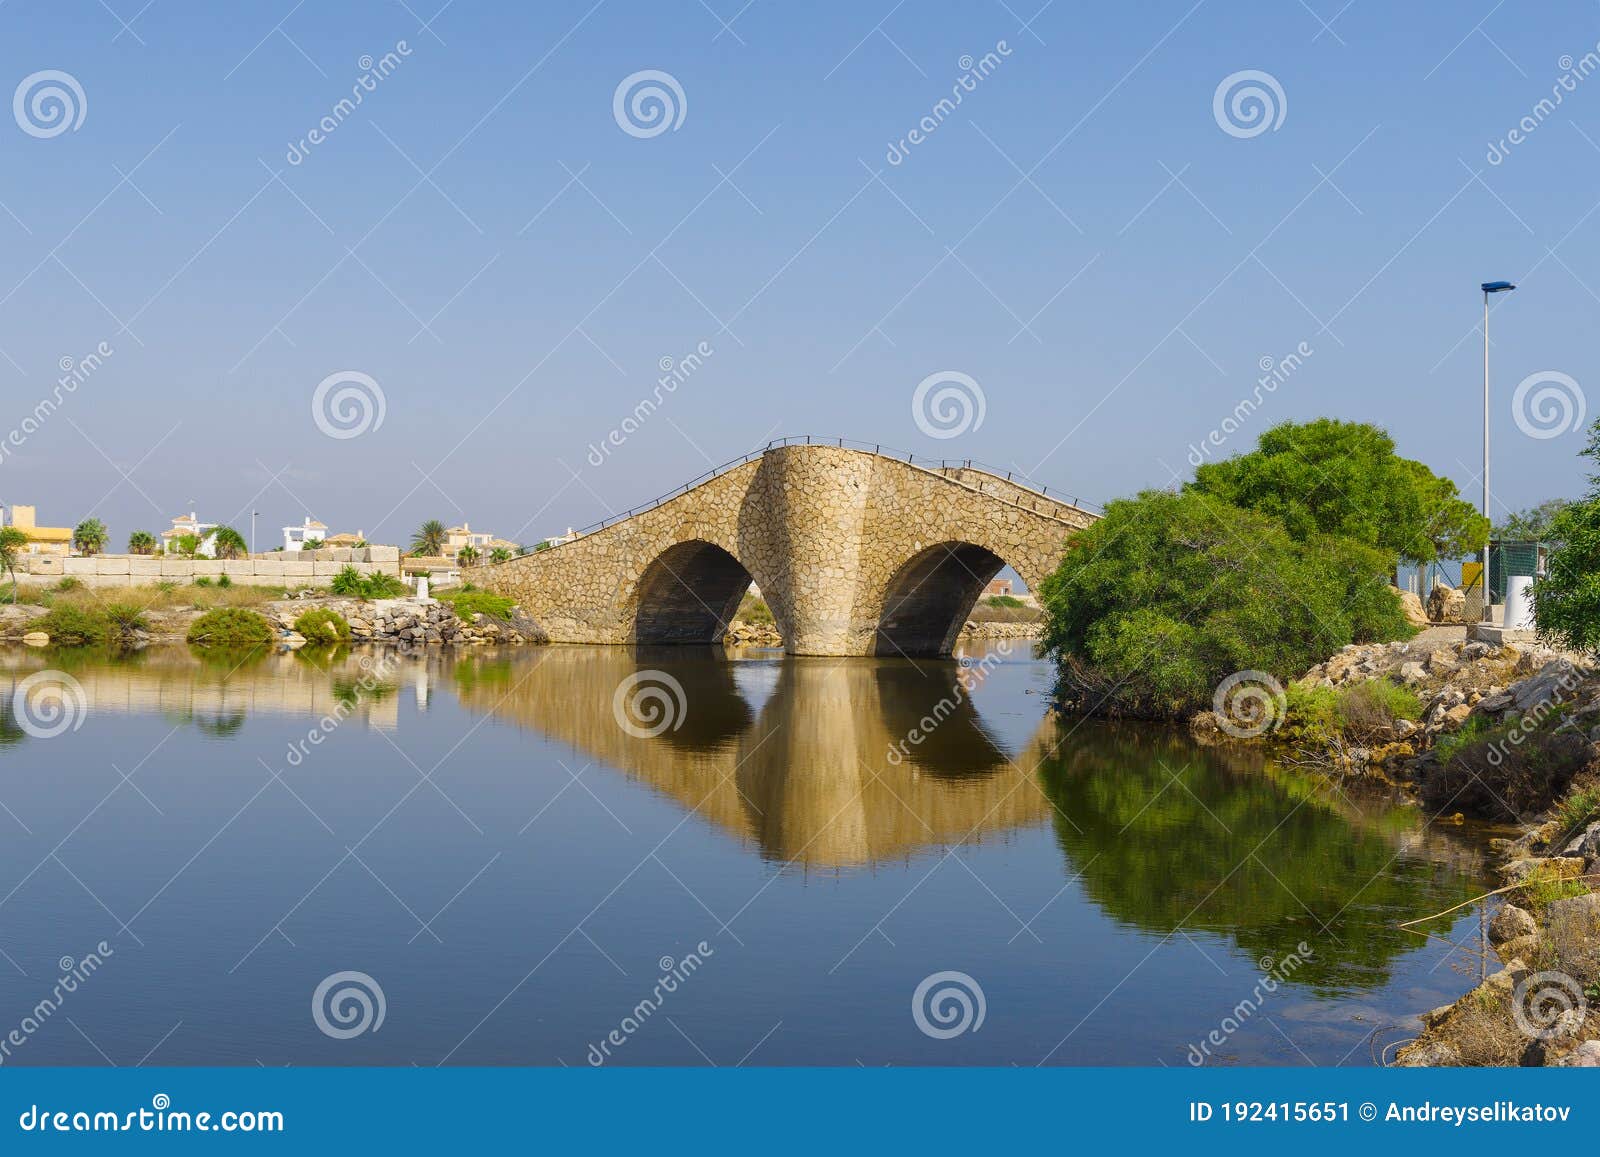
[(688, 594), (930, 596)]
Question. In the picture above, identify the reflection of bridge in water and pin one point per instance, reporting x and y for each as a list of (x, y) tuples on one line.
[(805, 774)]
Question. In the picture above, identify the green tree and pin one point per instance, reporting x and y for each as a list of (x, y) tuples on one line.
[(1532, 524), (1168, 594), (89, 536), (1345, 479), (186, 545), (12, 541), (500, 554), (1566, 601), (429, 538), (467, 555), (141, 542), (228, 543)]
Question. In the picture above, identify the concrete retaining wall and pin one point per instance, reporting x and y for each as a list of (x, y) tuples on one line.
[(308, 569)]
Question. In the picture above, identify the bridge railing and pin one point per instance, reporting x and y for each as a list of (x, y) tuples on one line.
[(926, 462)]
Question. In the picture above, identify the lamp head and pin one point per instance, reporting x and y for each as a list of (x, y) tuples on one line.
[(1497, 286)]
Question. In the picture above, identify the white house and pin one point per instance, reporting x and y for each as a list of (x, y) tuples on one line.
[(205, 533), (294, 537)]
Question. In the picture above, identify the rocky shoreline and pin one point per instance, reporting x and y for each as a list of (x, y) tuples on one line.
[(399, 622), (1510, 734)]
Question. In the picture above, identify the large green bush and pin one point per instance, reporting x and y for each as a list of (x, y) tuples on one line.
[(1566, 601), (232, 629), (323, 627), (1345, 479), (74, 626), (1168, 594)]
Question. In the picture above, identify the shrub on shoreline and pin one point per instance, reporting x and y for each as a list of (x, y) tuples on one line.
[(232, 628), (351, 583), (323, 627), (468, 601)]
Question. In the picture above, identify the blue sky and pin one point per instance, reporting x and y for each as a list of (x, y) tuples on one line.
[(481, 238)]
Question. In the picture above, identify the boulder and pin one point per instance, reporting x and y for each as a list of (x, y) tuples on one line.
[(1446, 604), (36, 639), (1572, 930), (1509, 923), (1585, 1056), (1412, 606)]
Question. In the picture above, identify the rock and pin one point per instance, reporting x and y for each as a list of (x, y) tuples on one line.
[(1509, 923), (1454, 717), (1446, 604), (1556, 867), (36, 639), (1585, 1056), (1586, 843), (1572, 931), (1412, 672), (1554, 680), (1430, 1054), (292, 639), (1518, 947), (1412, 606)]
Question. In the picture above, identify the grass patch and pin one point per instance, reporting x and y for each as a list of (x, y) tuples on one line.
[(469, 600), (1004, 601), (351, 583), (1321, 716), (755, 611), (323, 627), (232, 629), (1505, 772)]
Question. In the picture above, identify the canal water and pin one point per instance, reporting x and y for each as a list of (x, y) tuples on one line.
[(571, 855)]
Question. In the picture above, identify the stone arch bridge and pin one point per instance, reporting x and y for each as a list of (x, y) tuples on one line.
[(856, 553)]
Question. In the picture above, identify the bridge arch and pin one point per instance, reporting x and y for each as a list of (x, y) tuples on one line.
[(928, 599), (688, 594)]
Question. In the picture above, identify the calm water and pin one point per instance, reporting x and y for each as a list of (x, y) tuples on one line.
[(514, 869)]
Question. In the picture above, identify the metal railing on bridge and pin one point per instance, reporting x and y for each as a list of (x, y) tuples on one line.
[(926, 462)]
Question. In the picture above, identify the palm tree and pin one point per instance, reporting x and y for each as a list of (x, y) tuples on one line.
[(429, 538), (467, 555), (227, 542), (141, 542), (500, 554), (90, 536), (12, 541)]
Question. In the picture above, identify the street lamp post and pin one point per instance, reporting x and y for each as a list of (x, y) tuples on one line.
[(253, 514), (1488, 287)]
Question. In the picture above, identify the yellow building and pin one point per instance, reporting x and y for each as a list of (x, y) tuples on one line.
[(41, 539)]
